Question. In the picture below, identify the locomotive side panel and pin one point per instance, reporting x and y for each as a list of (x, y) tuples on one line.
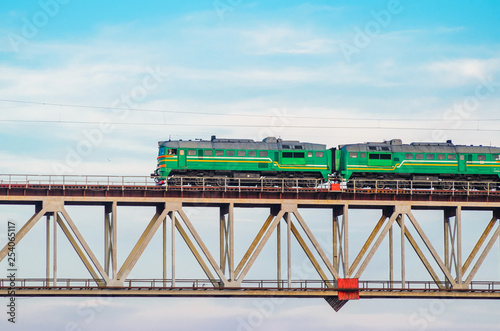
[(420, 161)]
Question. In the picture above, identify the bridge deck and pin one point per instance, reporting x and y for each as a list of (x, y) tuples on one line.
[(144, 187)]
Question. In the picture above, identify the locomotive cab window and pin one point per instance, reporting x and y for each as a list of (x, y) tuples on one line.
[(353, 155), (162, 150), (171, 152), (496, 157), (299, 155), (379, 156)]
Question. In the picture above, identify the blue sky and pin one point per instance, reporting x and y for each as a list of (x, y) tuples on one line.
[(126, 74)]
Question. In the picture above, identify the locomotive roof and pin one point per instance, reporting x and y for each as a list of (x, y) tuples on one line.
[(269, 143), (420, 147)]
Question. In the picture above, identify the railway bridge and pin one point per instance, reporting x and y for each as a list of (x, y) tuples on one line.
[(392, 216)]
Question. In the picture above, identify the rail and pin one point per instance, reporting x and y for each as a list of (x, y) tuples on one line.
[(93, 182), (312, 285)]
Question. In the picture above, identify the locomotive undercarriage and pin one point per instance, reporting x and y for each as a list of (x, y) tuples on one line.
[(244, 178), (438, 181)]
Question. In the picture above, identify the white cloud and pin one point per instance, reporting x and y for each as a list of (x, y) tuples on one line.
[(462, 71), (284, 40)]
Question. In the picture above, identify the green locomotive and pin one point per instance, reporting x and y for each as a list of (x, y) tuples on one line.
[(419, 161), (274, 158)]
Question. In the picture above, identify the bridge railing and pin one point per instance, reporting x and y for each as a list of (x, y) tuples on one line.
[(365, 285), (67, 182)]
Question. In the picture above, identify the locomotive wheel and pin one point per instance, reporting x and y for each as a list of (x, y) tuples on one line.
[(446, 186), (404, 184), (310, 183), (174, 181), (267, 182)]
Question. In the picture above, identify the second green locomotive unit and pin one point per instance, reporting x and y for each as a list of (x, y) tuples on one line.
[(274, 158)]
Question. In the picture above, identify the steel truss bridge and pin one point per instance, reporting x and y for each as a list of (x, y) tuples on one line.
[(452, 270)]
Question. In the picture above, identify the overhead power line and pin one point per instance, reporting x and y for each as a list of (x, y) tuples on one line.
[(240, 115), (248, 125)]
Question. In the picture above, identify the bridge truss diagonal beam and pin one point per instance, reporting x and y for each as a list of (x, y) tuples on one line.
[(316, 245), (431, 248), (487, 249), (83, 243), (66, 230), (24, 230), (377, 243), (258, 244), (142, 243), (202, 246)]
